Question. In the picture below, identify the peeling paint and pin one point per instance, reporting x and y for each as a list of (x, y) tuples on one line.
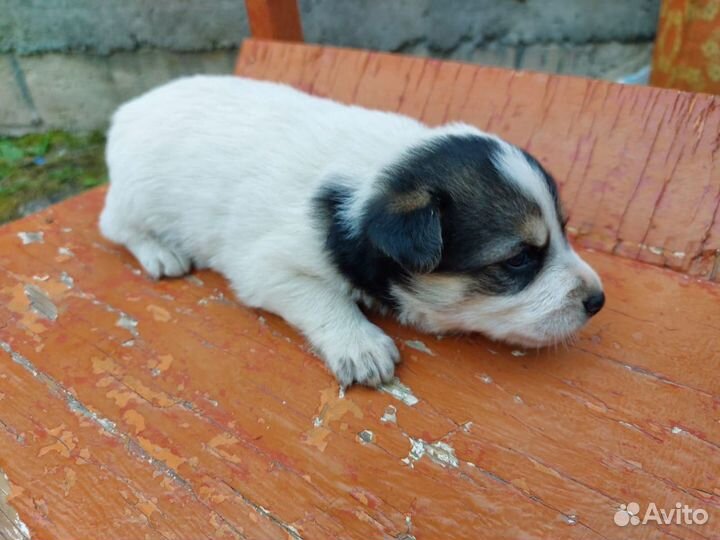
[(676, 430), (32, 237), (399, 391), (72, 402), (366, 436), (440, 452), (67, 280), (194, 280), (419, 346), (44, 277), (11, 526), (390, 415), (158, 313), (218, 297), (518, 353), (332, 408), (407, 535), (40, 303), (128, 323), (487, 379), (570, 519)]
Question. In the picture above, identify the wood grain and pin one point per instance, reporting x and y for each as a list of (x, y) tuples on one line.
[(166, 409), (274, 19), (638, 167), (139, 409)]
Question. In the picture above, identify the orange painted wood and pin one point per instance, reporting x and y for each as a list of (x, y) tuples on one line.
[(139, 409), (638, 167), (274, 19), (167, 410)]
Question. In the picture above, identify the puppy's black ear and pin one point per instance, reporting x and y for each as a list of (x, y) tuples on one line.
[(406, 227)]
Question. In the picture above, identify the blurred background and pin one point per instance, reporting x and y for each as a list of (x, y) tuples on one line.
[(65, 65)]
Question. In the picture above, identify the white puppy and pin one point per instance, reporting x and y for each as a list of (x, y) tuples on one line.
[(309, 206)]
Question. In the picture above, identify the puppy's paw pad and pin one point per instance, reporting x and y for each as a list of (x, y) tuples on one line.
[(368, 359), (159, 260)]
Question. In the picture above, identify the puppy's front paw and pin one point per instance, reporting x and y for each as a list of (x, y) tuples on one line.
[(365, 356)]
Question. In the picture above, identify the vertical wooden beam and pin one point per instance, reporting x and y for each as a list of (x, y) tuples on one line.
[(274, 19)]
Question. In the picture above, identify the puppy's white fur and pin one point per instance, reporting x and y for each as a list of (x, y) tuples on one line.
[(221, 172)]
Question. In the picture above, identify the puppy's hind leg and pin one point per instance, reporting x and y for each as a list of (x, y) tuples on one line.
[(354, 349), (158, 258)]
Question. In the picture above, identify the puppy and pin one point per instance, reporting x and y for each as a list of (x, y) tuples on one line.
[(310, 207)]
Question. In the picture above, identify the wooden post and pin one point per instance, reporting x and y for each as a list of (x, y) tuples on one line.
[(274, 19)]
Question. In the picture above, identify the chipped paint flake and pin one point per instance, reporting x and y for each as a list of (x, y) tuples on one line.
[(128, 323), (366, 436), (676, 430), (570, 519), (65, 252), (194, 280), (32, 237), (390, 415), (67, 280), (40, 303), (440, 452), (12, 527), (518, 353), (419, 346), (399, 391), (487, 379)]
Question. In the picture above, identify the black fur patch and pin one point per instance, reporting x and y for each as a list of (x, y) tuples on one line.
[(472, 222), (367, 268)]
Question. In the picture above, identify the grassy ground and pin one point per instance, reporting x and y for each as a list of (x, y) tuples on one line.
[(38, 170)]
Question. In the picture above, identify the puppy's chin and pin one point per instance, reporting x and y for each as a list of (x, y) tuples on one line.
[(440, 305), (560, 328)]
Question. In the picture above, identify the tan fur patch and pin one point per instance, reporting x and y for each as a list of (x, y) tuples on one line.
[(534, 231), (407, 202)]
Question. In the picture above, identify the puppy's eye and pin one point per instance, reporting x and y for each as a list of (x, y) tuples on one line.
[(521, 260)]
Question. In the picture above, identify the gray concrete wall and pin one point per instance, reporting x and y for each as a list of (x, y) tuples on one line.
[(69, 63)]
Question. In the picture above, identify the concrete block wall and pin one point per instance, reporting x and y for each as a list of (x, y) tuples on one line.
[(68, 63)]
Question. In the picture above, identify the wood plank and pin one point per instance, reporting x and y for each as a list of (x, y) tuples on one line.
[(638, 167), (274, 19), (221, 421)]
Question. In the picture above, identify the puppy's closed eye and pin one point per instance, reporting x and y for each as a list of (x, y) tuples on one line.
[(527, 256)]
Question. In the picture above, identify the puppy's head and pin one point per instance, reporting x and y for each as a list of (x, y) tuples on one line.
[(465, 233)]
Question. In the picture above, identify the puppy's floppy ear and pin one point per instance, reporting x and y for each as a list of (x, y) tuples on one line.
[(406, 227)]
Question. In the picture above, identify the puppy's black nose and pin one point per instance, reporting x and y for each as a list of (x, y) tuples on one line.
[(594, 303)]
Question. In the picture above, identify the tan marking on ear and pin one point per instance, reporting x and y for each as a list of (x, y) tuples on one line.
[(534, 231), (402, 203)]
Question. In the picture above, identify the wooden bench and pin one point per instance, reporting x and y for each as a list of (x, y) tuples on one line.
[(139, 409)]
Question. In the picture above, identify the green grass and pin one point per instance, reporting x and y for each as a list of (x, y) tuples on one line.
[(39, 169)]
